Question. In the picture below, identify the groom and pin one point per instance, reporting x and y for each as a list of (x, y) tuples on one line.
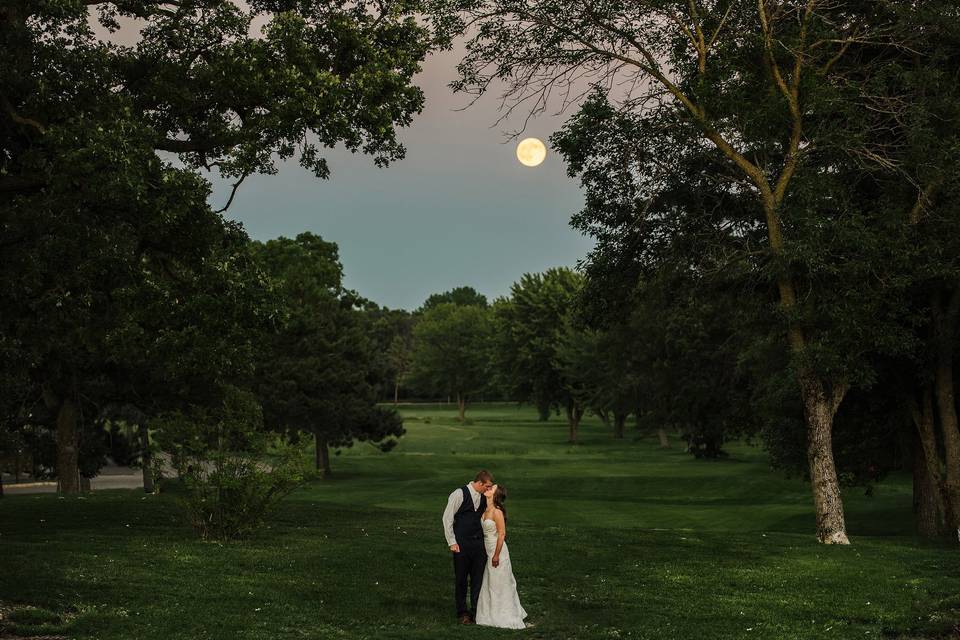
[(464, 532)]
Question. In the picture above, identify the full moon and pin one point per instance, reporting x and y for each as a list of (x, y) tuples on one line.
[(531, 152)]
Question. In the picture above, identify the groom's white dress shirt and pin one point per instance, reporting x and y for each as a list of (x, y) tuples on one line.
[(453, 505)]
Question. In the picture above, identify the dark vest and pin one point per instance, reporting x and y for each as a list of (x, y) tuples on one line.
[(466, 521)]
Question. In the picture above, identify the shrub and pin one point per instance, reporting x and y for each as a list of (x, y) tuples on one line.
[(232, 471)]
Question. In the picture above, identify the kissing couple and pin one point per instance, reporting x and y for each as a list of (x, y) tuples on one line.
[(475, 525)]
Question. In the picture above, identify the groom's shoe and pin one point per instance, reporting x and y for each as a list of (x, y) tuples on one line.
[(465, 619)]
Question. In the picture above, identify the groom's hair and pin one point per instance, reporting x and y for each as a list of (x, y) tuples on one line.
[(483, 476)]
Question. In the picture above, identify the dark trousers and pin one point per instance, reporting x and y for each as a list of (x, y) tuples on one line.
[(469, 564)]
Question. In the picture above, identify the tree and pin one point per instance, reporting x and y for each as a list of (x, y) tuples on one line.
[(400, 357), (317, 74), (451, 351), (771, 91), (528, 326), (78, 264), (391, 331), (233, 471), (464, 296), (196, 84), (919, 133), (315, 370), (579, 361)]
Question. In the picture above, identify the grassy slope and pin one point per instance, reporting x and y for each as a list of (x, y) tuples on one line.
[(609, 539)]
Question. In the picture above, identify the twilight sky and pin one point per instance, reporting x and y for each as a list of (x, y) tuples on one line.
[(458, 210)]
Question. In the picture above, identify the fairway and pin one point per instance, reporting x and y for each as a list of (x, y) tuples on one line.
[(609, 539)]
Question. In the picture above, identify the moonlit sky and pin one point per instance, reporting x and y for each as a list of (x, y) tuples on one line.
[(459, 210)]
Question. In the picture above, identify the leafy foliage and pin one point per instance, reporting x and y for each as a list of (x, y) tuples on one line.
[(232, 470), (317, 370), (452, 350), (529, 325)]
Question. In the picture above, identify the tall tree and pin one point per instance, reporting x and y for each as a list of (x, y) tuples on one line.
[(391, 331), (315, 371), (919, 131), (451, 352), (768, 89), (528, 326), (199, 82)]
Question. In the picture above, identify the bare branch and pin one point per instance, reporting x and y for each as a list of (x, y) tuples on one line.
[(233, 192)]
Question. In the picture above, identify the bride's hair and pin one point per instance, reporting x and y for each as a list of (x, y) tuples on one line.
[(499, 497)]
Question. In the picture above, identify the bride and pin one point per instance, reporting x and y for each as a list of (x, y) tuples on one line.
[(499, 604)]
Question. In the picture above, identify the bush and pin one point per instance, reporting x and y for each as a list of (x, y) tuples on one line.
[(232, 471)]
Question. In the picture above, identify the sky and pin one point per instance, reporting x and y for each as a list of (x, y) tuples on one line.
[(459, 210)]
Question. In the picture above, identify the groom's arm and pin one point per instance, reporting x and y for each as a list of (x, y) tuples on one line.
[(453, 503)]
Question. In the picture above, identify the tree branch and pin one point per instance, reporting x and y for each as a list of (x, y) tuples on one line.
[(16, 117), (18, 184)]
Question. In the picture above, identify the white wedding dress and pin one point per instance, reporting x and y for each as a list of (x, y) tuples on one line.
[(499, 604)]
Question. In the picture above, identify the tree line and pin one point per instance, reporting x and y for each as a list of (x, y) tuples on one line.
[(771, 187), (135, 317), (798, 156)]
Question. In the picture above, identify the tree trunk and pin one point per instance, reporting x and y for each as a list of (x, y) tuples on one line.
[(664, 440), (928, 503), (68, 449), (929, 457), (604, 416), (461, 407), (396, 392), (820, 409), (146, 459), (574, 414), (543, 411), (944, 325), (322, 455), (34, 463), (619, 424), (926, 511)]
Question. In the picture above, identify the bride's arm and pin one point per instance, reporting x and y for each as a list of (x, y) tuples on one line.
[(501, 536)]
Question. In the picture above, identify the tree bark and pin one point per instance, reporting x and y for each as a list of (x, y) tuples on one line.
[(820, 409), (396, 393), (461, 407), (322, 455), (664, 440), (146, 459), (929, 473), (574, 414), (68, 449), (945, 325), (928, 503)]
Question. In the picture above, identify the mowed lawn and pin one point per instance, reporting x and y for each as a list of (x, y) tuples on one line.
[(609, 539)]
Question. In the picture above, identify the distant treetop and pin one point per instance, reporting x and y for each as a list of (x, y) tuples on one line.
[(462, 296)]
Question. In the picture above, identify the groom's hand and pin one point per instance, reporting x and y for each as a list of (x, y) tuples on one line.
[(455, 548)]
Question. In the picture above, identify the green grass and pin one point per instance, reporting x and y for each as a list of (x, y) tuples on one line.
[(609, 540)]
